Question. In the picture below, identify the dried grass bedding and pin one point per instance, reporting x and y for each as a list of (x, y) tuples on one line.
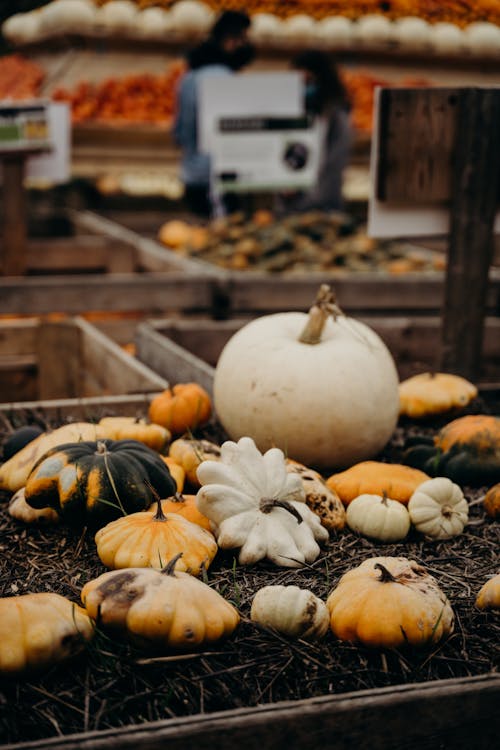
[(112, 684)]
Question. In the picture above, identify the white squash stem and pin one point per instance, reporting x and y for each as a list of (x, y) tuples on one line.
[(324, 306)]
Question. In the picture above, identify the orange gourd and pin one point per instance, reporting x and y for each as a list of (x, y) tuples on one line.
[(184, 407), (491, 501), (185, 506), (376, 478)]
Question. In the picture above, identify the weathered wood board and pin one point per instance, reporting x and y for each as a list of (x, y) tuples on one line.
[(189, 349), (68, 359), (453, 714)]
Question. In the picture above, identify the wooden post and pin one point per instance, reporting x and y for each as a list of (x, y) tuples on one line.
[(14, 215), (475, 195)]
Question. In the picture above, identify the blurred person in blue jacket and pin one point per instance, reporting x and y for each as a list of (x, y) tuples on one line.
[(225, 51), (325, 97)]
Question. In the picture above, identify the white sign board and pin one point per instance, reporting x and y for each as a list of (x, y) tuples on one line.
[(54, 166), (255, 130), (387, 221), (24, 126)]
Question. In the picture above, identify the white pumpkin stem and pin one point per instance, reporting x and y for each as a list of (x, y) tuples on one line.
[(267, 504), (324, 305)]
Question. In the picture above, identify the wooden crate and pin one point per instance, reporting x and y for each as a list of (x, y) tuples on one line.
[(183, 350), (457, 714), (68, 363), (235, 293)]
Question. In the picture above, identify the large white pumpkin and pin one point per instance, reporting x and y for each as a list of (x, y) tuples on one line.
[(328, 404)]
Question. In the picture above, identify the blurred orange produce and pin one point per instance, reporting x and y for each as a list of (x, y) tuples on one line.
[(460, 12), (20, 78), (141, 98)]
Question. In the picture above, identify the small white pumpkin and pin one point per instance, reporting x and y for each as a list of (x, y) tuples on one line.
[(154, 22), (67, 16), (22, 28), (322, 387), (118, 15), (265, 27), (438, 508), (21, 511), (191, 16), (482, 38), (446, 38), (373, 28), (290, 610), (256, 505), (378, 517), (299, 28), (335, 31), (412, 32)]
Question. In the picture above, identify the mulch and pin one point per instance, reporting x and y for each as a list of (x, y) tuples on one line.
[(112, 684)]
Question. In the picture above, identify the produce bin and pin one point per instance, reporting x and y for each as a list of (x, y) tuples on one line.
[(189, 349), (68, 365)]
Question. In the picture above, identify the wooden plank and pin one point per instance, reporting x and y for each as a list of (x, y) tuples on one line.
[(80, 253), (441, 715), (152, 293), (193, 347), (150, 254), (417, 140), (18, 377), (59, 357), (108, 369), (475, 198), (357, 294), (14, 215), (87, 408), (17, 337)]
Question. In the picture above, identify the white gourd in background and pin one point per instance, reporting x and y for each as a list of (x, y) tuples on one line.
[(299, 28), (482, 38), (192, 16), (266, 27), (446, 38), (412, 32), (373, 29), (336, 31), (118, 15), (22, 28), (155, 22), (67, 16)]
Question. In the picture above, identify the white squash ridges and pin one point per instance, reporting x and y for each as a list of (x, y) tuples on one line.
[(241, 495)]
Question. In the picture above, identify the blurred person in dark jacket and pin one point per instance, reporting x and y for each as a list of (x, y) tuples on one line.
[(225, 51), (325, 97)]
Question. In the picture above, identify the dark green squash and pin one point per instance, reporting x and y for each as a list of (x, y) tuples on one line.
[(467, 450), (94, 482)]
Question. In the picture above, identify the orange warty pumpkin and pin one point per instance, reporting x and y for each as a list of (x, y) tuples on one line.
[(184, 407)]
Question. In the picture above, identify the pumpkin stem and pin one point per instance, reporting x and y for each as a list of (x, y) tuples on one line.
[(386, 575), (159, 515), (178, 497), (268, 503), (169, 568), (324, 305)]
